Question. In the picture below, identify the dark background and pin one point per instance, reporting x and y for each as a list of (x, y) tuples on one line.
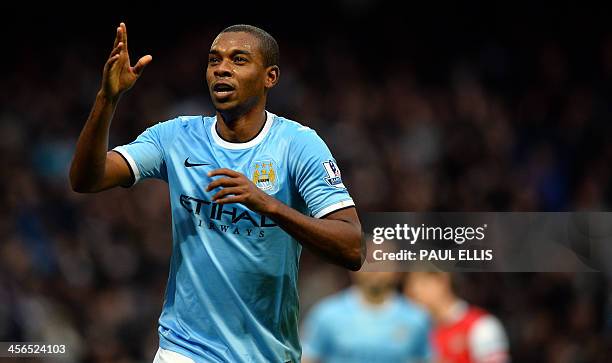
[(498, 106)]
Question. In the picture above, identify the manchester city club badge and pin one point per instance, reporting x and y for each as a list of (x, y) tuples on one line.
[(264, 175)]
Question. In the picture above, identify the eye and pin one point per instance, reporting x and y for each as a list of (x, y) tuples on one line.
[(240, 59), (212, 60)]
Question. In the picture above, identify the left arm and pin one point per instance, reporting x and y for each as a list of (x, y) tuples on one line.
[(336, 236)]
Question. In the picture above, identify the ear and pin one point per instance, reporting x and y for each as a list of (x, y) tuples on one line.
[(272, 76)]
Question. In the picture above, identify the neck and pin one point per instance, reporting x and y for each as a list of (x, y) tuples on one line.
[(443, 309), (375, 298), (241, 126)]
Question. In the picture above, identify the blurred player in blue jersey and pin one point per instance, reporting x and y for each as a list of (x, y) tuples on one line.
[(369, 322), (248, 189)]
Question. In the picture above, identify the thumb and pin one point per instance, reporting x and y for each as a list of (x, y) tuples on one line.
[(142, 62)]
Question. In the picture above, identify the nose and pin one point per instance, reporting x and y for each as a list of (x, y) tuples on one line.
[(223, 69)]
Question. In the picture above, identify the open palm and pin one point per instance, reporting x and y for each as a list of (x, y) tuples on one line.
[(118, 75)]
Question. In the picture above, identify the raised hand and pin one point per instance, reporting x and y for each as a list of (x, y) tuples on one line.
[(118, 76)]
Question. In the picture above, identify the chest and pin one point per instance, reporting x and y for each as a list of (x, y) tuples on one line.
[(452, 341), (191, 159), (379, 336)]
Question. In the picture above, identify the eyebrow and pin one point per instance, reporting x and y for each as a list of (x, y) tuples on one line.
[(233, 52)]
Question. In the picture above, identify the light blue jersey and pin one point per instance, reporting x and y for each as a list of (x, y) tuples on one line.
[(342, 329), (232, 290)]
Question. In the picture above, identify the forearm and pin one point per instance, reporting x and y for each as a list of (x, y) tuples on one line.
[(88, 163), (336, 237), (337, 240)]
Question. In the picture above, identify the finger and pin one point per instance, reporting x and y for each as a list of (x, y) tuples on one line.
[(224, 171), (142, 62), (117, 37), (110, 62), (231, 199), (222, 182), (117, 49), (226, 191), (124, 34)]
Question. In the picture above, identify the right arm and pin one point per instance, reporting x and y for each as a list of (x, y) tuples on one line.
[(488, 341), (93, 167)]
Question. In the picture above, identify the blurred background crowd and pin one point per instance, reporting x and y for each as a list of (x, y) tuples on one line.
[(498, 107)]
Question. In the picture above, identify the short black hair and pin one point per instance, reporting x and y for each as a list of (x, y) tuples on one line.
[(268, 45)]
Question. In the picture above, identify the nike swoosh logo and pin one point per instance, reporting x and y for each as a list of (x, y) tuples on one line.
[(188, 164)]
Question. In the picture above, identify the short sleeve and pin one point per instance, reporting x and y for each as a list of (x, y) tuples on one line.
[(488, 341), (146, 154), (317, 175), (315, 337)]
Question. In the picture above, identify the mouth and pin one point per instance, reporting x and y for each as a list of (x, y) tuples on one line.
[(223, 89)]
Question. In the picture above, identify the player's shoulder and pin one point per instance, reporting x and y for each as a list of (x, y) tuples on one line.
[(175, 124), (411, 311), (292, 128), (169, 130), (487, 337), (300, 137), (289, 125), (192, 121), (488, 323)]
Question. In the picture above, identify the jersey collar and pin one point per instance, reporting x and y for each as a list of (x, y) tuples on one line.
[(242, 145)]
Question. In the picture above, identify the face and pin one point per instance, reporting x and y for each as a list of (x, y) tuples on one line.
[(426, 288), (376, 282), (236, 74)]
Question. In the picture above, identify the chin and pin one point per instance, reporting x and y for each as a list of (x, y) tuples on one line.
[(225, 106)]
